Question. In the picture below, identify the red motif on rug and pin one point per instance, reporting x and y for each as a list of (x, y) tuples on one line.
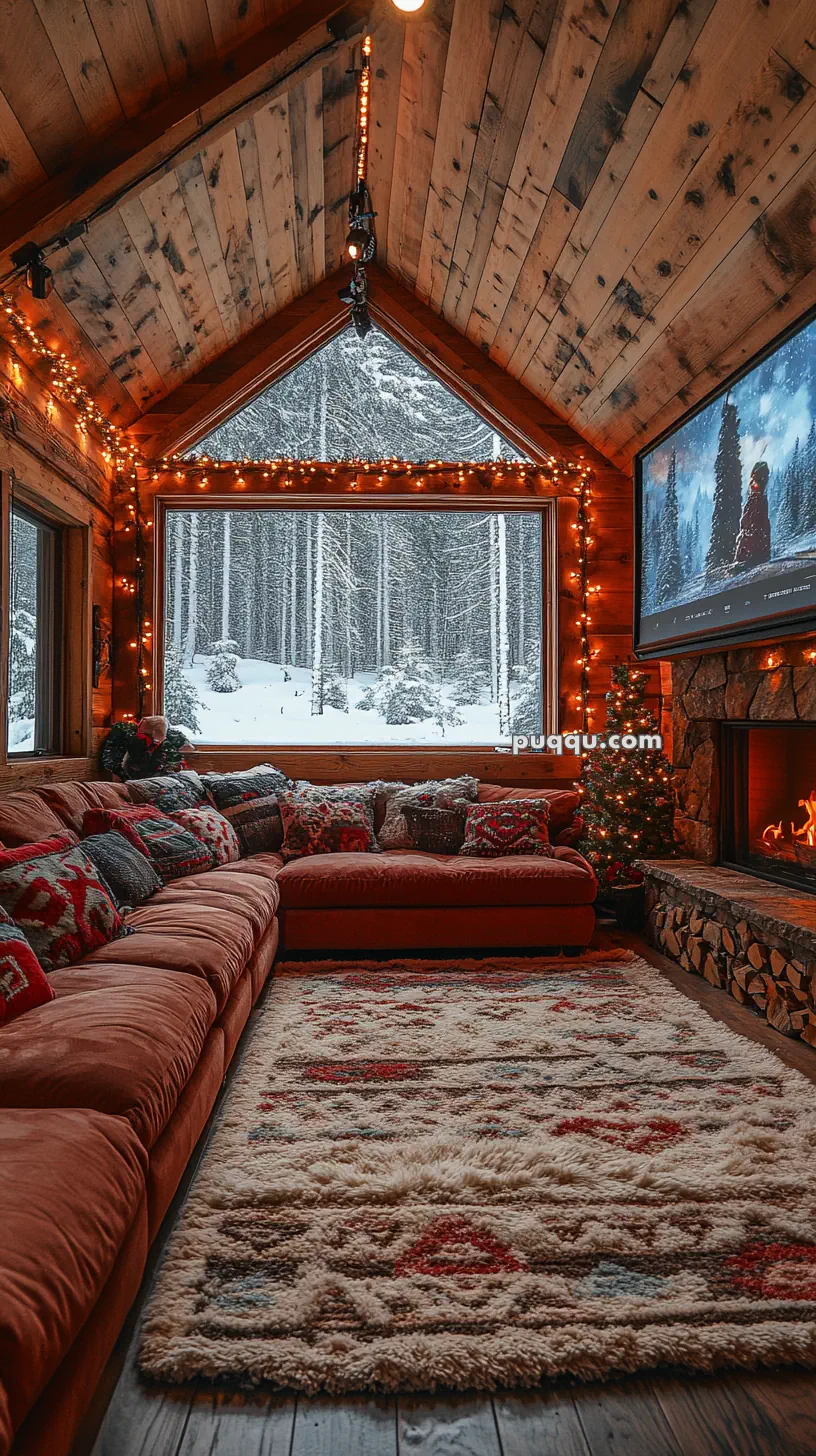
[(452, 1247), (647, 1137), (364, 1072), (776, 1271)]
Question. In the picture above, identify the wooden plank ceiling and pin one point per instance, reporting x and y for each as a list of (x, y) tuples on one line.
[(614, 199)]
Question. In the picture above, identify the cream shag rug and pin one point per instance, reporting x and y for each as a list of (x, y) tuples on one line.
[(481, 1173)]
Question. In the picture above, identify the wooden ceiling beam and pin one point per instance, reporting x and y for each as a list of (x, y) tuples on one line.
[(225, 93)]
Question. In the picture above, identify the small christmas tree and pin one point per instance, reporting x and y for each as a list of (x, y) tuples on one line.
[(406, 692), (221, 675), (628, 804), (182, 704)]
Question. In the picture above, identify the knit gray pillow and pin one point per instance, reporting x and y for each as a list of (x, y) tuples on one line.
[(435, 794)]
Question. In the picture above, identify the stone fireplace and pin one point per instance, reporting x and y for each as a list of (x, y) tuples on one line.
[(740, 908), (712, 694), (768, 800)]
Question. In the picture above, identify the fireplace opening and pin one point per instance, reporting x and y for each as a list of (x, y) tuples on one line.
[(768, 818)]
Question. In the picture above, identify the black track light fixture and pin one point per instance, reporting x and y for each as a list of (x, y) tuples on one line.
[(38, 275)]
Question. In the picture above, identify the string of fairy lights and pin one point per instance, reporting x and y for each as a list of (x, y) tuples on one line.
[(131, 468)]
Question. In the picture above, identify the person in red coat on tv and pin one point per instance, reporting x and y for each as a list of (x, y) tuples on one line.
[(754, 539)]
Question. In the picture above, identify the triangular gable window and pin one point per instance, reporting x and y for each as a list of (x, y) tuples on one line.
[(357, 399)]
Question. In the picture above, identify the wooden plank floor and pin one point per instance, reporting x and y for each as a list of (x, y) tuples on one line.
[(666, 1413)]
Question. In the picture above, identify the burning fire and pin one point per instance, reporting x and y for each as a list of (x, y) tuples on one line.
[(808, 830), (773, 838)]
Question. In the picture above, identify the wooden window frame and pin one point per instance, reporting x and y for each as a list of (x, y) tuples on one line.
[(72, 701), (547, 509)]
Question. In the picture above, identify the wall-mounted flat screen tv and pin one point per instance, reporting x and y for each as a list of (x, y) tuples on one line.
[(726, 510)]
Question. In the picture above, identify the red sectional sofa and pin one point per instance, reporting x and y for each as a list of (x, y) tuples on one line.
[(104, 1092)]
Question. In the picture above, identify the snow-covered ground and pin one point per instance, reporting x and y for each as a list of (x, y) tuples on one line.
[(268, 709), (21, 735)]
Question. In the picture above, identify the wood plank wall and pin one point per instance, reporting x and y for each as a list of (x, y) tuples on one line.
[(51, 463)]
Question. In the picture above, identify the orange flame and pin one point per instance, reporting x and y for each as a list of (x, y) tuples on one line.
[(808, 829), (772, 835)]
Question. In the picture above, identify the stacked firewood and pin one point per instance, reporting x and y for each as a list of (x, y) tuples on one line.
[(777, 984)]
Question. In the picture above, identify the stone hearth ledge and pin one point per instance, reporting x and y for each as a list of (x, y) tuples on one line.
[(743, 934), (768, 907)]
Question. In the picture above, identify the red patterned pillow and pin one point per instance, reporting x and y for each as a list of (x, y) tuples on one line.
[(173, 852), (23, 982), (521, 827), (210, 826), (328, 826), (60, 902), (55, 845)]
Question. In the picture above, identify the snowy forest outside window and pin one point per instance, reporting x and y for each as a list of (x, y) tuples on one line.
[(33, 698), (358, 399), (356, 626)]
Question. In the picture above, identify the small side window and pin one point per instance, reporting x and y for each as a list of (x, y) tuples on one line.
[(34, 698)]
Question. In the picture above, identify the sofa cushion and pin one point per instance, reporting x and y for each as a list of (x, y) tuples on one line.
[(214, 945), (6, 1432), (126, 870), (326, 825), (254, 895), (70, 801), (494, 830), (248, 798), (209, 825), (61, 903), (73, 1184), (407, 877), (564, 803), (121, 1040), (173, 852), (25, 818), (169, 792), (23, 982)]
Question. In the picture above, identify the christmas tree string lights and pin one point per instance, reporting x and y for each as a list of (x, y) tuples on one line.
[(628, 806)]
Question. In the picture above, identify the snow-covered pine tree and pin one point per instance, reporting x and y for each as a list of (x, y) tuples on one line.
[(404, 692), (221, 675), (335, 689), (470, 680), (669, 578), (727, 508), (504, 639), (182, 704), (526, 708), (22, 664)]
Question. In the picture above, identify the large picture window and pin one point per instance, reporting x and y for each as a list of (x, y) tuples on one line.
[(362, 626), (34, 596)]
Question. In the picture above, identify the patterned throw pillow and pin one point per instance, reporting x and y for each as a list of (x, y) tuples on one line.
[(249, 800), (126, 870), (55, 845), (327, 826), (364, 794), (436, 794), (173, 852), (169, 792), (23, 982), (60, 902), (436, 831), (521, 827), (210, 826)]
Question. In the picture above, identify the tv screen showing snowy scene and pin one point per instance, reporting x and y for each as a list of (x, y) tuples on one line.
[(728, 508), (353, 626)]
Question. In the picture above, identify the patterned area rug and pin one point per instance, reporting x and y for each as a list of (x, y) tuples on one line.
[(479, 1174)]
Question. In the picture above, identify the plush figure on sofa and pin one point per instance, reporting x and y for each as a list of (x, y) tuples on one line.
[(142, 750)]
